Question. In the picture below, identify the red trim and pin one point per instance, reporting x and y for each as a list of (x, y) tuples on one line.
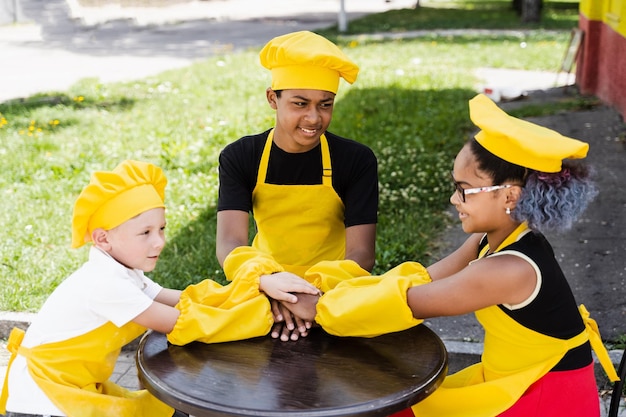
[(601, 64)]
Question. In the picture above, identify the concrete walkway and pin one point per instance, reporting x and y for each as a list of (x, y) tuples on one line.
[(57, 42)]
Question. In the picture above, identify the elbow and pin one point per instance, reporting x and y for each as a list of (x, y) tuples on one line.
[(368, 264)]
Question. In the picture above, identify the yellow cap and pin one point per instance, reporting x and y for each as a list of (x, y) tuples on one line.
[(113, 197), (305, 60), (521, 142)]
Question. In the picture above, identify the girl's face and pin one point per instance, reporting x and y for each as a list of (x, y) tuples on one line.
[(482, 212), (138, 242), (302, 116)]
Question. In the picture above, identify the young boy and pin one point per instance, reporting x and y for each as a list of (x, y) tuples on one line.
[(61, 365), (313, 194)]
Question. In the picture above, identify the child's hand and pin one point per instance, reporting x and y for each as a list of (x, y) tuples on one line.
[(286, 325), (281, 285), (306, 307)]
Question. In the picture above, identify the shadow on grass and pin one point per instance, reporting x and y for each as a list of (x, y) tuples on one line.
[(22, 106), (19, 114), (415, 135)]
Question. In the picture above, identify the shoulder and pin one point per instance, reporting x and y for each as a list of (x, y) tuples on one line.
[(533, 244), (530, 251), (345, 144), (250, 143)]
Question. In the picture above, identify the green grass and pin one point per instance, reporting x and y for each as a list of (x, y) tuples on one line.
[(463, 14), (409, 104)]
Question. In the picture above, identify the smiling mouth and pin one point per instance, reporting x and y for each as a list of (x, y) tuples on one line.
[(309, 131)]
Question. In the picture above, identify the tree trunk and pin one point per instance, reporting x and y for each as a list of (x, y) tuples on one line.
[(531, 11)]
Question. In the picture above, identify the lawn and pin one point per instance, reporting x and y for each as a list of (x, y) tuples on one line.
[(409, 105)]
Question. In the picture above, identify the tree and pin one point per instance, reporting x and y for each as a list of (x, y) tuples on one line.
[(529, 10)]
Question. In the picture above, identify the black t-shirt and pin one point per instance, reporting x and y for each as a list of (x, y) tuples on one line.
[(354, 174)]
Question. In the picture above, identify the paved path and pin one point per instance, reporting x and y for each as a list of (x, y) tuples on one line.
[(57, 43)]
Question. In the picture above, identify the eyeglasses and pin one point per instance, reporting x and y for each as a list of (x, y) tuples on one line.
[(465, 191)]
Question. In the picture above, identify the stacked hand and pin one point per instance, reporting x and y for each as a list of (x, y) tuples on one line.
[(293, 302)]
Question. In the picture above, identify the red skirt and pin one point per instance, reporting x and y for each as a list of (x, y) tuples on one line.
[(556, 394), (560, 394)]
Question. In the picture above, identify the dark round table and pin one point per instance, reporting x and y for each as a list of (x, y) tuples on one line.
[(320, 375)]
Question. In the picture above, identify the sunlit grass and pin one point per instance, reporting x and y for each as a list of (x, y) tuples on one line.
[(409, 104)]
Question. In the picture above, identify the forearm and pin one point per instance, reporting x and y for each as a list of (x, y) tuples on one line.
[(365, 259), (224, 248), (159, 317), (361, 245), (457, 260), (168, 296), (232, 232)]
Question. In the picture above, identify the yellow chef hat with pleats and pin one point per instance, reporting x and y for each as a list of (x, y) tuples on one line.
[(113, 197), (305, 60), (521, 142)]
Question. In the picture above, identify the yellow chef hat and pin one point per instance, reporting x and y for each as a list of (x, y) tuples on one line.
[(305, 60), (521, 142), (112, 197)]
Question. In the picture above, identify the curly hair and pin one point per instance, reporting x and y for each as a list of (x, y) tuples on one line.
[(553, 201), (549, 201)]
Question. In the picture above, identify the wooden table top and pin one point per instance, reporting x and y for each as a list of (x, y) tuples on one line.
[(319, 375)]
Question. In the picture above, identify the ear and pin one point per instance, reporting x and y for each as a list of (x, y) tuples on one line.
[(512, 196), (100, 239), (271, 98)]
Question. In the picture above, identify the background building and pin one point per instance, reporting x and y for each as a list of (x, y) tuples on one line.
[(601, 64)]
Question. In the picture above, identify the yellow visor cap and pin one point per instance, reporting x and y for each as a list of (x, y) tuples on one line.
[(305, 60), (521, 142), (113, 197)]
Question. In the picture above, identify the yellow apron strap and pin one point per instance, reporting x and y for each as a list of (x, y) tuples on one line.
[(506, 242), (265, 157), (597, 345), (327, 171), (14, 342)]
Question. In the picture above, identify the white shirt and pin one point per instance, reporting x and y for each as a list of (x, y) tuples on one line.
[(101, 290)]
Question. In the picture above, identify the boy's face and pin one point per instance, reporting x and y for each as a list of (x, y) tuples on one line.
[(138, 242), (302, 116)]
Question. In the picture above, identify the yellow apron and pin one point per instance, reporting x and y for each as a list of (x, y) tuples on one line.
[(298, 225), (514, 358), (74, 374)]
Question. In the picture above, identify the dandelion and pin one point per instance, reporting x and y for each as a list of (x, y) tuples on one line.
[(79, 99)]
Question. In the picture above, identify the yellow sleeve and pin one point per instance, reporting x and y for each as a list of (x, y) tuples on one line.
[(212, 313), (369, 306), (325, 275), (247, 261)]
